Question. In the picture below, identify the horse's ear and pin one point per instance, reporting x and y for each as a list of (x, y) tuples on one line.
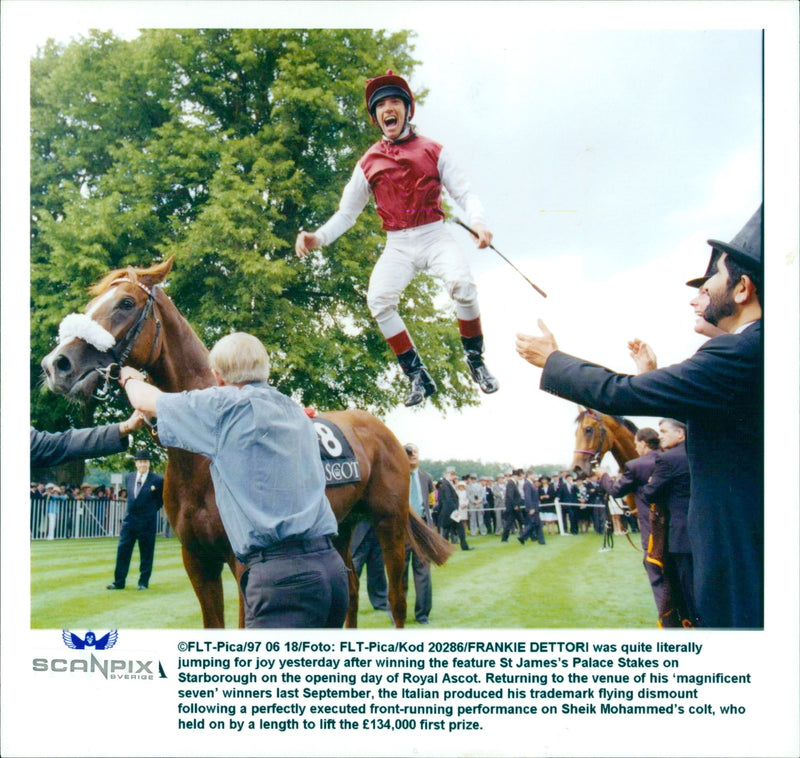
[(156, 273)]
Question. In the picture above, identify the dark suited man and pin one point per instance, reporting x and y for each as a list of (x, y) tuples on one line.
[(530, 496), (145, 497), (719, 393), (514, 504), (448, 502), (489, 515), (632, 479), (567, 493), (420, 493), (669, 487), (365, 550)]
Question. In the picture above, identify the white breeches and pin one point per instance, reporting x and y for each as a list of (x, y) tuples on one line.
[(424, 248)]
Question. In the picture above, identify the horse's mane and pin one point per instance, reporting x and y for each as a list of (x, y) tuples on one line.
[(120, 273), (627, 423)]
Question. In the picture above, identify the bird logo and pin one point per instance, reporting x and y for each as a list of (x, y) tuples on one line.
[(74, 641)]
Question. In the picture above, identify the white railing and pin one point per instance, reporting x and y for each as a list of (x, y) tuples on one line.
[(557, 505), (57, 518)]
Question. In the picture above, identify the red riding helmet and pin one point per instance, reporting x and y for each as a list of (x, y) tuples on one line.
[(388, 85)]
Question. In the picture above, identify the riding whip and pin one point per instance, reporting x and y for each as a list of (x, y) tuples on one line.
[(474, 234)]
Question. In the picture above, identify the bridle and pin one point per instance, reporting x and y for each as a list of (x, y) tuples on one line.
[(597, 454), (121, 350)]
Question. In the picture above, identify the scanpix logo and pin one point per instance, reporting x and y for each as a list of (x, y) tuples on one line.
[(110, 668), (90, 640)]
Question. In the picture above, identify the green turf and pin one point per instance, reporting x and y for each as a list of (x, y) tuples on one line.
[(567, 583)]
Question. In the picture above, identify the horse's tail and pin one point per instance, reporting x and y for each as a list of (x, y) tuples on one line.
[(427, 543)]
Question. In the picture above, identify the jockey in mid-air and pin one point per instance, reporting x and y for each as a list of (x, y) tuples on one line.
[(406, 172)]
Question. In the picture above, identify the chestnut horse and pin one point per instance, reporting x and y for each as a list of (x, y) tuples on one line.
[(597, 434), (131, 321)]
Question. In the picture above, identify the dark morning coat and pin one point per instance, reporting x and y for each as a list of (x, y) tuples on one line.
[(514, 498), (669, 486), (52, 448), (142, 510), (448, 502), (530, 494), (719, 393)]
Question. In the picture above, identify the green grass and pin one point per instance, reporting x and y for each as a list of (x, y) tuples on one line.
[(565, 584)]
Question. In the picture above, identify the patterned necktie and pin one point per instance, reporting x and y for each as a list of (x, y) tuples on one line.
[(138, 488)]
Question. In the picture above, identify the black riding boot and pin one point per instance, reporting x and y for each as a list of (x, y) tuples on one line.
[(473, 347), (422, 384)]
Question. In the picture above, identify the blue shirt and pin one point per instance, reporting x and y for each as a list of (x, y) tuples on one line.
[(265, 461), (415, 493)]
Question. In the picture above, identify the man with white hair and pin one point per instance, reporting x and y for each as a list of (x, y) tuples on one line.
[(269, 483)]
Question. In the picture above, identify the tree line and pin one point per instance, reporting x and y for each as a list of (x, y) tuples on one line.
[(216, 146)]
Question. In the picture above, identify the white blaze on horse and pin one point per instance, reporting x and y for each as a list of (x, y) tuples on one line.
[(131, 321)]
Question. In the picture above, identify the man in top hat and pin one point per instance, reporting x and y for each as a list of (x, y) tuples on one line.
[(405, 172), (145, 497), (719, 393)]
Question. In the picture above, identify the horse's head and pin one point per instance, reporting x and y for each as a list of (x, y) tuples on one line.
[(120, 325), (592, 441)]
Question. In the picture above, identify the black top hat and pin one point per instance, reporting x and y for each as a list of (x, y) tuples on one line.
[(745, 248), (142, 455)]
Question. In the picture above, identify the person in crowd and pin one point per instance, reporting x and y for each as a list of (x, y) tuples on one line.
[(366, 550), (632, 479), (499, 492), (598, 500), (53, 448), (56, 498), (530, 495), (547, 507), (448, 504), (140, 523), (405, 173), (461, 514), (279, 524), (567, 496), (514, 504), (420, 496), (489, 515), (435, 506), (669, 486), (584, 511), (614, 510), (475, 496), (717, 392), (102, 497)]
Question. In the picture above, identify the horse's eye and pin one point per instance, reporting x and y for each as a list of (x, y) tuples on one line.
[(126, 304), (588, 430)]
